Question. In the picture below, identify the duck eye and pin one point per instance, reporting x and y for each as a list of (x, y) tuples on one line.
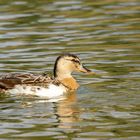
[(76, 61)]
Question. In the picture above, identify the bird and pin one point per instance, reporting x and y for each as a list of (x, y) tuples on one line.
[(42, 85)]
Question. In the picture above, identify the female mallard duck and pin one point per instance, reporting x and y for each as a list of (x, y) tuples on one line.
[(43, 85)]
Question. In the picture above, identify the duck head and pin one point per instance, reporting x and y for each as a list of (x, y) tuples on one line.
[(66, 64)]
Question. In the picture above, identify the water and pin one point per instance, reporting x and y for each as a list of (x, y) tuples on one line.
[(105, 35)]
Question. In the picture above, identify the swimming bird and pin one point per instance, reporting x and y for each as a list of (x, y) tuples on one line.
[(43, 85)]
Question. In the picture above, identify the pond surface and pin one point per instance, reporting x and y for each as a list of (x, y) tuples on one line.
[(105, 35)]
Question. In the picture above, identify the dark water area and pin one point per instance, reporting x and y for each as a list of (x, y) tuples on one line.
[(105, 35)]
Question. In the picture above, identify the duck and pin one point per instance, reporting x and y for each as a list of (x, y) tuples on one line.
[(42, 85)]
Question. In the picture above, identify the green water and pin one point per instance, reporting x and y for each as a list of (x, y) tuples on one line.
[(105, 35)]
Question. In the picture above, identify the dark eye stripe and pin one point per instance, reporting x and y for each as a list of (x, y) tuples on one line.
[(76, 61)]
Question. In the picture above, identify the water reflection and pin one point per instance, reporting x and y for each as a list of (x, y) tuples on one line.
[(67, 112), (64, 108)]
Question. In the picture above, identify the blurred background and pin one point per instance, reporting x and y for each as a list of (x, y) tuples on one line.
[(105, 35)]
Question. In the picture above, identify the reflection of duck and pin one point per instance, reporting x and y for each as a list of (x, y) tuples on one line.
[(42, 85), (67, 111)]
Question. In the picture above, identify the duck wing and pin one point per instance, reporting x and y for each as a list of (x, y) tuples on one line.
[(8, 81)]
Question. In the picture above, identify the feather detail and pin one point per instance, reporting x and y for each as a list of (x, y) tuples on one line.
[(10, 80)]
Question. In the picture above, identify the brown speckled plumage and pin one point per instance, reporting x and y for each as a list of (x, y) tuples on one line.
[(8, 81)]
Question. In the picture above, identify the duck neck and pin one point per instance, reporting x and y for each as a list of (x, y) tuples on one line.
[(68, 81)]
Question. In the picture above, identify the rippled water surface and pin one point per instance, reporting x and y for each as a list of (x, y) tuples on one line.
[(105, 35)]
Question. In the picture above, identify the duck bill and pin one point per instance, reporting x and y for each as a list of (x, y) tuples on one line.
[(84, 69)]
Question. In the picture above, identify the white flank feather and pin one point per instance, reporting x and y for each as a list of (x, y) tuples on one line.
[(51, 91)]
